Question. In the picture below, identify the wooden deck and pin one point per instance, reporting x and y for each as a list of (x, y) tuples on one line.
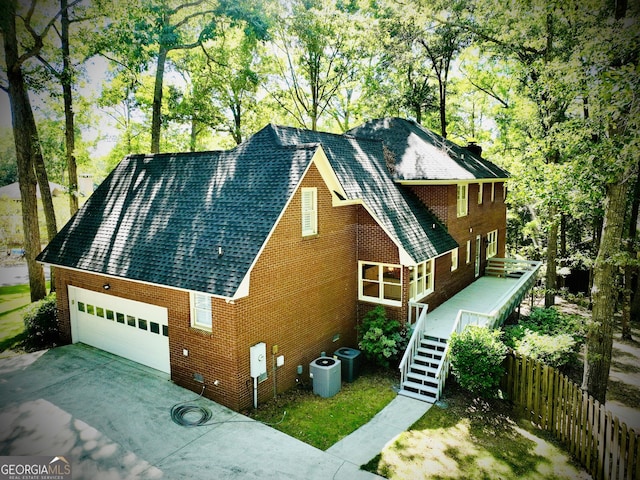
[(487, 302), (484, 296)]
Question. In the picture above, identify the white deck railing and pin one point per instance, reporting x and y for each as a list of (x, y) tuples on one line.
[(525, 270), (414, 341)]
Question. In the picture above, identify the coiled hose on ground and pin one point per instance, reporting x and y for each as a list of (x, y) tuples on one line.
[(190, 414)]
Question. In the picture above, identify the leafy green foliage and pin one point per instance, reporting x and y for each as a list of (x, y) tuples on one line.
[(547, 335), (381, 340), (476, 360), (553, 350), (41, 325)]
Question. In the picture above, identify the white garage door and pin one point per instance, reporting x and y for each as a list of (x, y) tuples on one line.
[(134, 330)]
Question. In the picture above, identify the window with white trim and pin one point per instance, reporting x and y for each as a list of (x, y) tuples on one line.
[(468, 252), (421, 280), (201, 316), (454, 259), (480, 192), (492, 244), (462, 200), (380, 283), (309, 211)]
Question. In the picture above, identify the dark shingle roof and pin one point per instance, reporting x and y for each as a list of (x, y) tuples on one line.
[(161, 218), (420, 154), (360, 168)]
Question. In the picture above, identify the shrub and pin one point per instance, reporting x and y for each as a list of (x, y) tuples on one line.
[(550, 321), (381, 339), (41, 325), (547, 335), (553, 350), (476, 356)]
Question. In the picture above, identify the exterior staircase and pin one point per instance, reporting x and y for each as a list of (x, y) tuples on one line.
[(421, 380), (425, 365)]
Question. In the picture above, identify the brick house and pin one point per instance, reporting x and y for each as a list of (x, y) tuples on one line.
[(185, 261)]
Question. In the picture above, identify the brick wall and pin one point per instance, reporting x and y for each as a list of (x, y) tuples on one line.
[(480, 220), (302, 294)]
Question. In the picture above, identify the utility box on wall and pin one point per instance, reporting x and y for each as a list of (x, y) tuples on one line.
[(258, 363)]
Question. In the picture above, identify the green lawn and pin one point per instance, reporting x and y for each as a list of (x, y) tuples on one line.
[(321, 422), (13, 302), (467, 438)]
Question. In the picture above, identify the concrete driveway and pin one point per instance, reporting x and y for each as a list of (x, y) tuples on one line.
[(110, 418)]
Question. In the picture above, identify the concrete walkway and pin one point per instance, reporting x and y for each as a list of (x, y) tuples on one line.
[(110, 418), (370, 439)]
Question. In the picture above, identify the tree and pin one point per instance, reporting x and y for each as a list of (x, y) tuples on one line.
[(186, 26), (58, 63), (614, 82), (316, 44), (541, 38), (430, 35), (31, 168), (22, 115)]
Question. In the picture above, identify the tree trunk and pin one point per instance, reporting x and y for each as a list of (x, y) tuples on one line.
[(563, 250), (604, 293), (22, 118), (69, 129), (552, 254), (443, 106), (156, 118), (43, 182), (635, 302), (193, 135), (629, 269)]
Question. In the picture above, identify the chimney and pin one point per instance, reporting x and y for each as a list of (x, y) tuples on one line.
[(474, 148)]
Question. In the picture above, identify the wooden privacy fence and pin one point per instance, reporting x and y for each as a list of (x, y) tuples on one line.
[(604, 446)]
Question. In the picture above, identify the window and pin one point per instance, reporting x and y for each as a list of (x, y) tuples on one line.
[(462, 204), (309, 211), (201, 311), (468, 252), (381, 283), (492, 244), (480, 192), (454, 259), (421, 281)]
